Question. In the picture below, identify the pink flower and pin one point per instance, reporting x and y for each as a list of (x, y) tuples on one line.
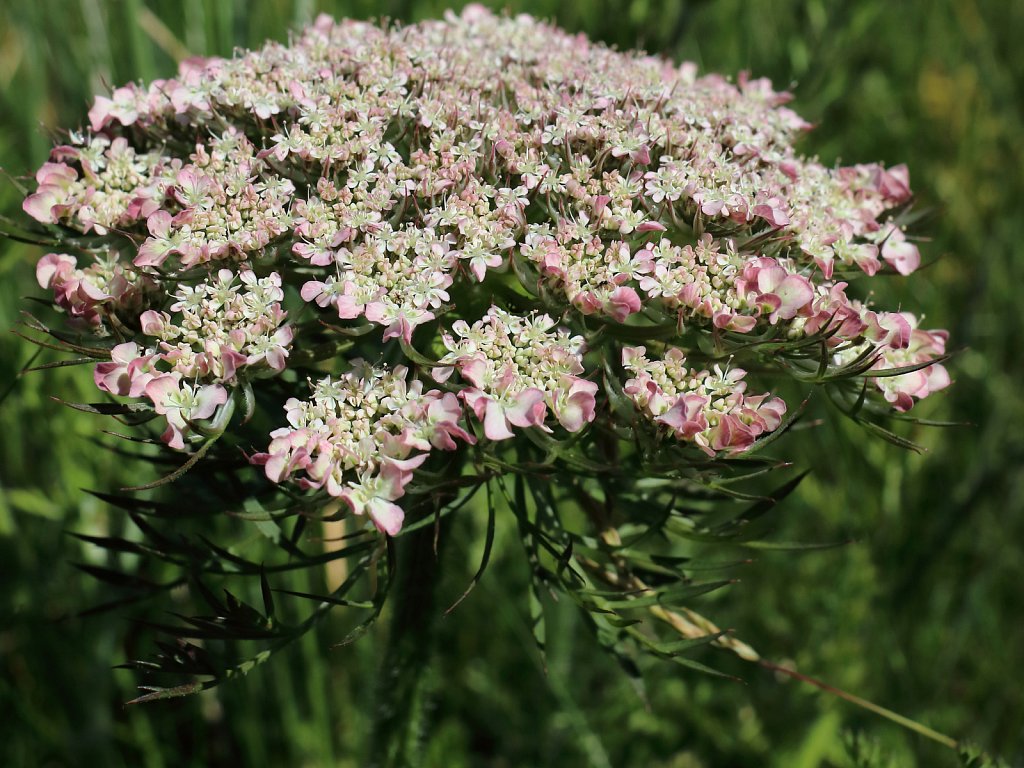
[(525, 409), (128, 373), (546, 252), (220, 361), (181, 404), (161, 244), (622, 303), (903, 256), (318, 292), (890, 329), (274, 350), (686, 416), (346, 301), (480, 262), (832, 310), (782, 294), (442, 423), (574, 404), (730, 435), (317, 254), (375, 496), (154, 323), (923, 346), (773, 210), (122, 107), (192, 187), (54, 181), (290, 451), (399, 321), (893, 184), (900, 254), (903, 389), (730, 321), (770, 410), (651, 226), (54, 269)]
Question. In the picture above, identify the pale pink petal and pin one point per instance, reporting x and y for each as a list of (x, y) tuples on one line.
[(495, 422), (53, 267), (622, 303), (208, 399), (577, 408), (528, 410), (314, 291), (160, 388), (387, 516), (795, 293), (904, 257)]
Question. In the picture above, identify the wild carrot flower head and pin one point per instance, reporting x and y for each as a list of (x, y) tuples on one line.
[(462, 232)]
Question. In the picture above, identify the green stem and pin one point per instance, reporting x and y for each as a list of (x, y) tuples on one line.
[(888, 714), (402, 683)]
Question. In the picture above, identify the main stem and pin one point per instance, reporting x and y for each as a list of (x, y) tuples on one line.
[(401, 685)]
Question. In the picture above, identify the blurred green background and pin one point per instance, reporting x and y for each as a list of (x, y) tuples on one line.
[(922, 613)]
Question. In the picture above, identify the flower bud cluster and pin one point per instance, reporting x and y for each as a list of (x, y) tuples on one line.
[(361, 436), (592, 274), (855, 329), (918, 348), (518, 369), (709, 408), (394, 279), (697, 281), (137, 372)]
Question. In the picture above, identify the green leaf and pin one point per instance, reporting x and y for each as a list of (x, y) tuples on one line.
[(485, 557), (328, 599), (268, 596), (661, 596), (890, 437), (159, 694)]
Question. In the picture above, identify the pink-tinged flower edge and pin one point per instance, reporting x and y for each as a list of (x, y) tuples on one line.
[(708, 408), (360, 454)]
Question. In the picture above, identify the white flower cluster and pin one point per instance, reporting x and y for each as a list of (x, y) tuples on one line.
[(361, 436), (518, 369), (112, 187), (218, 330), (223, 325), (106, 292), (225, 208), (708, 407), (394, 279)]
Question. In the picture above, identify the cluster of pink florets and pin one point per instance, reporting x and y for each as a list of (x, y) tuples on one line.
[(707, 407), (361, 436), (376, 173), (226, 328), (88, 294), (517, 371)]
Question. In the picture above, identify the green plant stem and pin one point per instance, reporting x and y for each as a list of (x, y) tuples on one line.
[(888, 714), (402, 682)]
